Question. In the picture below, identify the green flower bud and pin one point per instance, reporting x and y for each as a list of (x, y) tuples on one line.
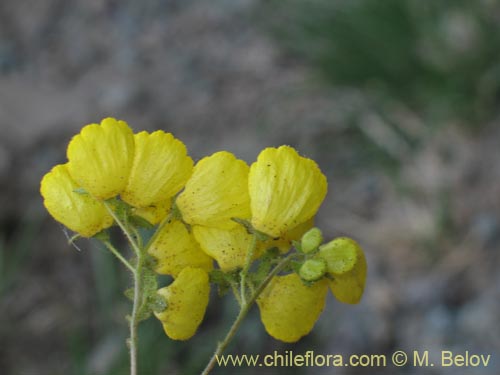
[(311, 240), (346, 264), (340, 255), (312, 269)]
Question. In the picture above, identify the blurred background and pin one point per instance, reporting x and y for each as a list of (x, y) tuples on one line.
[(398, 101)]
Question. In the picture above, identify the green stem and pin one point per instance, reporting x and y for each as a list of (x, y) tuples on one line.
[(119, 256), (245, 308), (137, 277), (246, 267), (123, 228), (134, 321)]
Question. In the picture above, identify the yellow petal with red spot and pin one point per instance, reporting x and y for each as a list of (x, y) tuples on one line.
[(227, 247), (346, 264), (216, 192), (289, 309), (187, 300), (101, 156), (160, 169), (286, 190), (175, 248), (79, 212)]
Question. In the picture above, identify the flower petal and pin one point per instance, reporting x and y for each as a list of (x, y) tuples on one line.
[(216, 192), (285, 190), (346, 264), (187, 300), (100, 157), (175, 248), (161, 168), (289, 309), (227, 247), (295, 234), (79, 212), (154, 213)]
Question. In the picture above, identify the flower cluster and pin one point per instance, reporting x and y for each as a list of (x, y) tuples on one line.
[(215, 210)]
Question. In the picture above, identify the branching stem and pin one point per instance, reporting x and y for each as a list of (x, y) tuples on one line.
[(244, 309)]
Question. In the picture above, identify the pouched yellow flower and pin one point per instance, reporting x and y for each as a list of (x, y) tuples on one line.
[(79, 212), (154, 213), (216, 192), (346, 264), (187, 300), (160, 169), (227, 247), (286, 190), (175, 248), (289, 309), (101, 156)]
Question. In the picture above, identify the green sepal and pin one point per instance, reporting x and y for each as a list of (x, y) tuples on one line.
[(150, 262), (297, 245), (223, 280), (120, 208), (265, 265), (102, 236), (218, 278), (295, 266), (158, 303), (149, 288), (175, 213)]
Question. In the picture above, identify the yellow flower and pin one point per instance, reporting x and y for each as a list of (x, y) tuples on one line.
[(346, 265), (175, 248), (285, 190), (216, 192), (160, 169), (289, 309), (101, 156), (227, 247), (154, 213), (187, 300), (79, 212), (284, 242)]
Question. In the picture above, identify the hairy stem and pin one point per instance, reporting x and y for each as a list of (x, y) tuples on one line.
[(244, 309), (117, 254), (137, 279), (134, 321), (124, 228), (246, 267)]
